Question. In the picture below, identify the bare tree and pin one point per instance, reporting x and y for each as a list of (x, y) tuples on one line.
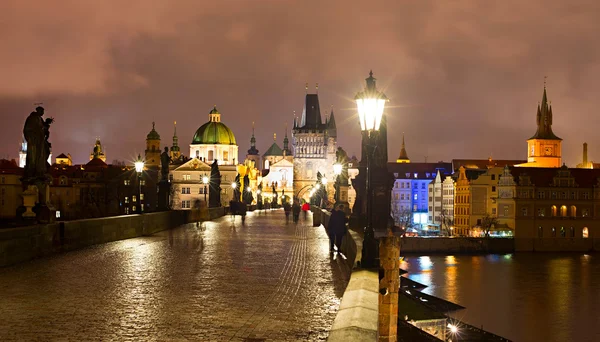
[(487, 222), (402, 217), (447, 223)]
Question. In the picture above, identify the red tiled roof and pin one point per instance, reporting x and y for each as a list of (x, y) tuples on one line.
[(10, 167), (96, 162)]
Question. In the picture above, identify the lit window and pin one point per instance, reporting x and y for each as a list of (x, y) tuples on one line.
[(416, 197), (127, 210), (541, 212), (126, 182), (134, 199), (58, 214), (142, 182), (553, 232), (585, 233), (562, 232), (415, 175), (141, 197), (187, 177), (126, 199), (133, 208)]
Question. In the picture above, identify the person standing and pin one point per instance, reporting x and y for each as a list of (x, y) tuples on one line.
[(296, 210), (337, 228), (288, 209)]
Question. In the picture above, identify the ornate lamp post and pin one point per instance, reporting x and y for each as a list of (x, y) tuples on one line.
[(370, 104), (139, 168), (205, 181)]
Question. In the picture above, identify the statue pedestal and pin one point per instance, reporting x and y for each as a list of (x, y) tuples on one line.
[(164, 190), (30, 196), (46, 213)]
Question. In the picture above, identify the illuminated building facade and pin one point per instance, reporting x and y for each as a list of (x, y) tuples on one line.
[(550, 209)]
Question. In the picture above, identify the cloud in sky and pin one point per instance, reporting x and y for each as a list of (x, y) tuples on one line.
[(464, 77)]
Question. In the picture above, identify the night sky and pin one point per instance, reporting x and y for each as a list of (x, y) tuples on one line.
[(464, 77)]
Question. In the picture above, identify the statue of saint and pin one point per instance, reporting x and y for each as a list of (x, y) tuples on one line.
[(36, 133), (165, 159)]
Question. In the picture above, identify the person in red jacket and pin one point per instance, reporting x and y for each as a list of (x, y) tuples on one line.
[(305, 209)]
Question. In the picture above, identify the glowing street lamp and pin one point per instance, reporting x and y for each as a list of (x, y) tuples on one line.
[(233, 185), (139, 168), (324, 181), (318, 186), (205, 181), (370, 104)]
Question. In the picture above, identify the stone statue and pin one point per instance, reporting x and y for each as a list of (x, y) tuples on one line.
[(214, 191), (36, 133), (165, 160)]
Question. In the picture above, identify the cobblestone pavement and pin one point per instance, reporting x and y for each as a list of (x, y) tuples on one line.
[(262, 281)]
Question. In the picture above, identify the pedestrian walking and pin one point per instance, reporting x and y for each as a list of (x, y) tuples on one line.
[(287, 208), (337, 228), (296, 210), (305, 209)]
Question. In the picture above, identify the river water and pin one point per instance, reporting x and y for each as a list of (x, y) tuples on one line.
[(523, 296)]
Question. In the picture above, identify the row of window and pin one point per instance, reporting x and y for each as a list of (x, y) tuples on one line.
[(557, 195), (406, 185), (133, 198), (189, 177), (188, 190), (585, 233), (407, 197), (211, 155), (128, 182)]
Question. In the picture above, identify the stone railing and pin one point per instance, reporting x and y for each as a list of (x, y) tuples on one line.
[(357, 317), (26, 243)]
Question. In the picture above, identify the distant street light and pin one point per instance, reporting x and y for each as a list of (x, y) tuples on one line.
[(139, 168), (233, 185), (337, 169), (324, 181), (205, 180)]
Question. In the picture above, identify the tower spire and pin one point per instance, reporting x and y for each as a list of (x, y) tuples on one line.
[(544, 118), (403, 158), (175, 152)]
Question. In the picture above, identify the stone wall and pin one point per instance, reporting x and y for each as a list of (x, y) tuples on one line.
[(357, 316), (456, 245), (26, 243)]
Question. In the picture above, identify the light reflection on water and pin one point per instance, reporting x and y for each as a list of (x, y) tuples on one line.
[(524, 297)]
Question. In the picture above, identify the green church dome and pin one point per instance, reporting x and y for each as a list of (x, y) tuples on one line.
[(214, 133), (153, 135)]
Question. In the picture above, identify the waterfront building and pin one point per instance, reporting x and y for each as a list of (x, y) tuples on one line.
[(410, 192), (550, 208), (440, 202), (462, 200), (544, 147), (10, 188), (214, 141), (314, 147), (97, 151)]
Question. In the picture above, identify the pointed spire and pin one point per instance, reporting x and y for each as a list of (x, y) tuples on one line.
[(286, 141), (544, 119), (403, 158), (274, 136)]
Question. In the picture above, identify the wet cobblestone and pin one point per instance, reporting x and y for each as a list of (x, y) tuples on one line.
[(262, 281)]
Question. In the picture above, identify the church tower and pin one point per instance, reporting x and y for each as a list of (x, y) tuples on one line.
[(152, 153), (544, 147), (403, 158), (98, 151), (175, 152), (253, 151)]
